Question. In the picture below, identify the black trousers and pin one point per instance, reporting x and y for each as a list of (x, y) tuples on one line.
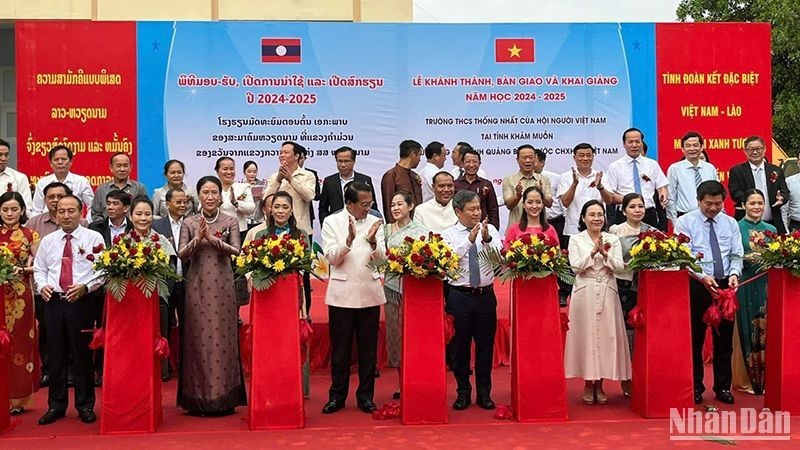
[(722, 339), (99, 302), (167, 311), (344, 323), (39, 310), (475, 318), (64, 324)]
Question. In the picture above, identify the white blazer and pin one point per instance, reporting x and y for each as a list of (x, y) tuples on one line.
[(352, 284)]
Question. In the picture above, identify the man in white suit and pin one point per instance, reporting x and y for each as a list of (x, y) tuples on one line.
[(351, 238)]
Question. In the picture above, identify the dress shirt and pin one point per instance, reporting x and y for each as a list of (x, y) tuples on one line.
[(160, 201), (583, 193), (683, 186), (457, 237), (133, 188), (44, 224), (696, 226), (435, 216), (792, 209), (78, 184), (620, 178), (47, 263), (115, 231), (243, 208), (760, 178), (18, 182), (510, 193), (176, 225), (428, 172), (343, 181), (557, 209), (302, 188)]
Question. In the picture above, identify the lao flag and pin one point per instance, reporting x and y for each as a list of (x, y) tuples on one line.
[(280, 50), (514, 50)]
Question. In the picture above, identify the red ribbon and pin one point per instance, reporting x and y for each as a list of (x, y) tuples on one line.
[(449, 328), (162, 348), (636, 318), (98, 338), (390, 410), (247, 333), (724, 304), (504, 412), (305, 331), (564, 322), (5, 341)]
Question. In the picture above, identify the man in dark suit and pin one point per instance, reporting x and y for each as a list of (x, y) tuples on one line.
[(118, 202), (758, 173), (169, 226), (332, 198)]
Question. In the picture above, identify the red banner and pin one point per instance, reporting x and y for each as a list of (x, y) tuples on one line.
[(76, 85), (715, 79)]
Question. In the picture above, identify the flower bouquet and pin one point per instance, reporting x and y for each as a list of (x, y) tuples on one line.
[(137, 259), (425, 256), (269, 257), (7, 265), (658, 250), (778, 250), (529, 256)]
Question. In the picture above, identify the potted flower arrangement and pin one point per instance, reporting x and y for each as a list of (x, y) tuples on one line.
[(273, 256), (529, 256), (425, 256), (657, 250), (778, 250)]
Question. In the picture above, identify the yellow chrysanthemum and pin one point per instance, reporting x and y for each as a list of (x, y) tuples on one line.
[(279, 266)]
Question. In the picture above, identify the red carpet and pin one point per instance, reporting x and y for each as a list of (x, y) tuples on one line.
[(609, 426)]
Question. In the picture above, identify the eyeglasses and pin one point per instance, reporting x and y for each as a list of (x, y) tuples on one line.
[(754, 149)]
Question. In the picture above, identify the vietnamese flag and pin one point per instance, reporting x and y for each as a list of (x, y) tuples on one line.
[(514, 50), (280, 50)]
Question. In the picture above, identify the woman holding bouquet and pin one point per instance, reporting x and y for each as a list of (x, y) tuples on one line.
[(628, 232), (534, 221), (596, 348), (210, 380), (23, 360), (751, 316)]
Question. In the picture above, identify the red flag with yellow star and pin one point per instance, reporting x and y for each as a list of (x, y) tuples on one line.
[(514, 50)]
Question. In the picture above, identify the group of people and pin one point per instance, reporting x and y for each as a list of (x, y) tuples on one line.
[(204, 226)]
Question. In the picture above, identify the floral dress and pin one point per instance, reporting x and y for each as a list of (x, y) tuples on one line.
[(23, 365)]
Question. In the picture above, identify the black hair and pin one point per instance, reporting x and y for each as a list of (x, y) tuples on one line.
[(141, 199), (209, 179), (433, 149), (247, 165), (122, 196), (586, 206), (171, 162), (469, 151), (754, 139), (689, 135), (111, 160), (344, 149), (581, 146), (295, 232), (630, 130), (352, 189), (5, 143), (57, 184), (409, 146), (629, 198), (753, 191), (406, 196), (53, 151), (172, 192), (523, 221), (462, 198), (73, 196), (220, 160), (11, 195), (710, 188), (442, 173)]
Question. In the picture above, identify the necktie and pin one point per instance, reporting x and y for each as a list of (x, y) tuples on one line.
[(697, 178), (637, 181), (65, 278), (719, 271), (474, 270)]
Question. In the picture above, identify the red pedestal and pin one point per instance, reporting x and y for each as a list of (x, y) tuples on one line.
[(782, 384), (538, 384), (276, 383), (662, 359), (131, 400), (423, 396)]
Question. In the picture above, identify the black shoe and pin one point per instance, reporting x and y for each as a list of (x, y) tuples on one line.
[(485, 402), (562, 302), (44, 381), (165, 378), (462, 402), (698, 398), (396, 395), (377, 373), (87, 415), (50, 416), (98, 380), (725, 396), (332, 406), (367, 406)]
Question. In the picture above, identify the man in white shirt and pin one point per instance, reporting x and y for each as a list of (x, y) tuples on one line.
[(579, 185), (686, 175), (471, 301), (66, 281), (791, 212), (351, 238), (636, 173), (61, 161), (435, 155), (12, 180), (295, 180), (437, 214)]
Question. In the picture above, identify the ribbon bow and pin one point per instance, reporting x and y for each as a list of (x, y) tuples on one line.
[(98, 338), (390, 410), (636, 318), (161, 348), (504, 412)]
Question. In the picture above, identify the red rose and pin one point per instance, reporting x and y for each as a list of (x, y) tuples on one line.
[(90, 257), (135, 236), (512, 265), (646, 178), (98, 248), (409, 239), (683, 239), (607, 246), (290, 247), (275, 251), (146, 251), (154, 238), (158, 246), (117, 239), (133, 251), (646, 246), (700, 255), (113, 256), (773, 177)]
